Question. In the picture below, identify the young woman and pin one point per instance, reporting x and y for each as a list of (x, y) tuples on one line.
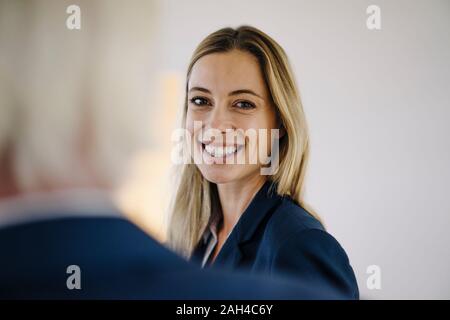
[(228, 214)]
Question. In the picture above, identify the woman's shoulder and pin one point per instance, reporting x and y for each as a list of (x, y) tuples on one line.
[(292, 229), (291, 219), (298, 244)]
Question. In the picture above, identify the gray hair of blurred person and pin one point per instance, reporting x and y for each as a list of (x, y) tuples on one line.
[(74, 104)]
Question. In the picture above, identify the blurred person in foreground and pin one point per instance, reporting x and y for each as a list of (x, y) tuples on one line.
[(74, 107)]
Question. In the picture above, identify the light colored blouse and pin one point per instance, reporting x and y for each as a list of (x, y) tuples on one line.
[(210, 237)]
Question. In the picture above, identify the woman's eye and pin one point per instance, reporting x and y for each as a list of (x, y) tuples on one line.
[(199, 101), (246, 105)]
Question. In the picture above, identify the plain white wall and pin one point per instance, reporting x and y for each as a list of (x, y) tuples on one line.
[(378, 109)]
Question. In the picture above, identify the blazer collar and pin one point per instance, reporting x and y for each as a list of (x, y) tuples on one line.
[(262, 205), (259, 208)]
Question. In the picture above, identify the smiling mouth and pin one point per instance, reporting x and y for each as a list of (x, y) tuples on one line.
[(221, 151)]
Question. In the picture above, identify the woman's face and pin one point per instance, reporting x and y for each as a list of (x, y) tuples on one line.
[(227, 97)]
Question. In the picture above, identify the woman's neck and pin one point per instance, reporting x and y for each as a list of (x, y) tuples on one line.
[(235, 198)]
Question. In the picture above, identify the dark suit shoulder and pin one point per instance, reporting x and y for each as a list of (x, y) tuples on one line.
[(299, 246), (289, 219)]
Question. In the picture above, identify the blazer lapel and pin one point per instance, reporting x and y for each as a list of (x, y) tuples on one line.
[(262, 205)]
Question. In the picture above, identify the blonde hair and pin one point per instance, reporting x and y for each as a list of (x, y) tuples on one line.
[(196, 198), (61, 89)]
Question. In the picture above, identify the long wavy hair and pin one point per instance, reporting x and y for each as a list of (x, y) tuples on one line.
[(196, 198)]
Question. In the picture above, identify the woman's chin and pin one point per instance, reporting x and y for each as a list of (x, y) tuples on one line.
[(218, 173)]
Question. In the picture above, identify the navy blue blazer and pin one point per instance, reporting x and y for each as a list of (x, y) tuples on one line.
[(275, 236), (117, 261)]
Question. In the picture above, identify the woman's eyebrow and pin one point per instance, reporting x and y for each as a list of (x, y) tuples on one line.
[(199, 89), (236, 92), (232, 93)]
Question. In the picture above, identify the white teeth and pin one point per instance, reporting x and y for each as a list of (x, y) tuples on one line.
[(220, 151)]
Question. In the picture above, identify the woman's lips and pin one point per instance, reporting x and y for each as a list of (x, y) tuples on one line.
[(221, 152)]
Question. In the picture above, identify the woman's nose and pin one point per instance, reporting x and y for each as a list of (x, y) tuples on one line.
[(220, 119)]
